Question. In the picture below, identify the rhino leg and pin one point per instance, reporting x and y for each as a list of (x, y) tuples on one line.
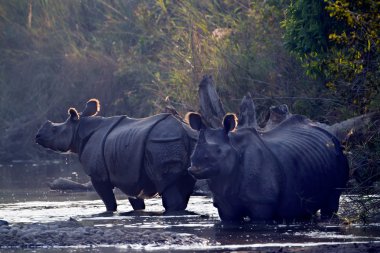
[(105, 191), (172, 199), (261, 212), (228, 213), (176, 196), (330, 208), (137, 204)]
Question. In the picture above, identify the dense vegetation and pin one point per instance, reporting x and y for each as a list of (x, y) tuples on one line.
[(319, 57), (338, 41)]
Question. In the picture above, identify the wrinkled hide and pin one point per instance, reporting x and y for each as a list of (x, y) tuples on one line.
[(116, 150), (287, 173), (141, 157), (91, 136)]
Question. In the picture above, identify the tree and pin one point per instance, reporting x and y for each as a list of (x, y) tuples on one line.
[(354, 67), (134, 54), (338, 42)]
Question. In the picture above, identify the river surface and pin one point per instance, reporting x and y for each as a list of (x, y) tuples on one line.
[(27, 202)]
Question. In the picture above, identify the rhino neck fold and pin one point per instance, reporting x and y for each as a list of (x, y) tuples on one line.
[(79, 139), (87, 127), (75, 142)]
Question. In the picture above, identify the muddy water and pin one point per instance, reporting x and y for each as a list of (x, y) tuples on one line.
[(27, 202)]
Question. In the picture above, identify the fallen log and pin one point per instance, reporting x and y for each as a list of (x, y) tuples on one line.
[(355, 128), (64, 184)]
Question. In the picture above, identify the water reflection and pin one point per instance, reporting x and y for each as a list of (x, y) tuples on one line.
[(26, 198), (28, 180)]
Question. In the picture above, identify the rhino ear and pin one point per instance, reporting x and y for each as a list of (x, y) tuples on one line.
[(229, 122), (195, 121), (92, 108), (74, 115)]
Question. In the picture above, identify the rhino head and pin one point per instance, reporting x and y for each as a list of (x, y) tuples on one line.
[(60, 136), (213, 154)]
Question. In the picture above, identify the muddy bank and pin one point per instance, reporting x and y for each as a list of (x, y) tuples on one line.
[(73, 233), (75, 236), (41, 220)]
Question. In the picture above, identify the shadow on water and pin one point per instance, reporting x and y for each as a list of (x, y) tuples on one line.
[(28, 180), (26, 199)]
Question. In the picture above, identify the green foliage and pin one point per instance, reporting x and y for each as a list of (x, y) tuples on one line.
[(355, 62), (306, 24), (239, 42), (338, 41), (134, 54)]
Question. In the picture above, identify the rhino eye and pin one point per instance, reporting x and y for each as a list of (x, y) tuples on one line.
[(218, 151)]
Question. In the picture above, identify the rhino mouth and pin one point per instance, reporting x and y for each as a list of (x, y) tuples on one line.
[(199, 172), (40, 140), (45, 144)]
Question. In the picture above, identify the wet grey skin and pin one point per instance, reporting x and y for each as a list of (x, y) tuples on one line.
[(142, 157), (287, 173)]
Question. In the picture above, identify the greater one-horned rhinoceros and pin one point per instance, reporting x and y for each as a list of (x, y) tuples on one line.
[(141, 157), (287, 173)]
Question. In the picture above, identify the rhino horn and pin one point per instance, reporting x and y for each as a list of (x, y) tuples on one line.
[(92, 108)]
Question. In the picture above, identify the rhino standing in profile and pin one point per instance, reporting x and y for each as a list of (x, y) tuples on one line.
[(141, 157), (289, 172)]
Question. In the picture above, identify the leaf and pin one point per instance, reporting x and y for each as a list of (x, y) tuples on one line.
[(368, 44), (162, 5)]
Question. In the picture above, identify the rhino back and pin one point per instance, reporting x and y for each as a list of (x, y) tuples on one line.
[(312, 159), (124, 151)]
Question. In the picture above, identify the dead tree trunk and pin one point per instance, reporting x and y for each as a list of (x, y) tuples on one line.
[(353, 128), (211, 108), (247, 113), (277, 114), (212, 111)]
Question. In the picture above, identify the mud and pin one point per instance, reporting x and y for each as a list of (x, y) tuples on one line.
[(80, 225), (40, 220), (73, 233)]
